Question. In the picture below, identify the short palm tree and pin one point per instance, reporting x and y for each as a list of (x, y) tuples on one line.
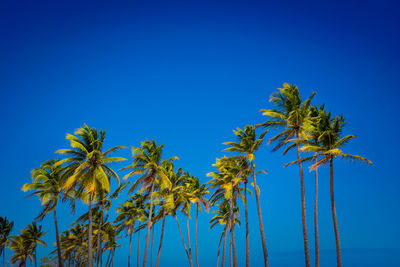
[(293, 115), (21, 248), (33, 234), (5, 229), (331, 143), (87, 168), (47, 184), (248, 144), (74, 245), (147, 161)]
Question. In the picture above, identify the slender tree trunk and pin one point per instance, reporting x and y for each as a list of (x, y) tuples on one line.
[(34, 255), (161, 240), (138, 248), (99, 252), (60, 260), (303, 207), (130, 246), (260, 220), (149, 222), (189, 246), (195, 235), (112, 257), (108, 258), (151, 246), (227, 225), (233, 231), (247, 227), (316, 217), (4, 252), (335, 223), (90, 261), (220, 241), (183, 240)]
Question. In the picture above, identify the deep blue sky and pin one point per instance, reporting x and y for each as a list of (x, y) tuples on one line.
[(188, 72)]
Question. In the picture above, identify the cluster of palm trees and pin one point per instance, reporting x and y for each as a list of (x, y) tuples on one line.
[(161, 190)]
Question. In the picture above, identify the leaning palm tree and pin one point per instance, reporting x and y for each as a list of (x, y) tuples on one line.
[(331, 143), (33, 235), (87, 168), (147, 160), (294, 115), (248, 144), (5, 229), (20, 245), (47, 184)]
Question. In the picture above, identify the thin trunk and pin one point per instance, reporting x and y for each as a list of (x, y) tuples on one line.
[(227, 225), (130, 246), (112, 258), (34, 256), (233, 231), (4, 252), (189, 246), (99, 252), (108, 258), (90, 262), (161, 240), (230, 251), (60, 260), (247, 227), (303, 208), (146, 247), (151, 246), (183, 241), (138, 248), (220, 241), (335, 223), (260, 221), (316, 218), (195, 235)]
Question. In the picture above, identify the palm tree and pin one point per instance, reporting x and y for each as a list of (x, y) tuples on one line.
[(147, 161), (222, 217), (5, 229), (87, 167), (47, 185), (248, 144), (294, 115), (33, 235), (198, 192), (231, 173), (21, 246), (331, 142), (74, 245)]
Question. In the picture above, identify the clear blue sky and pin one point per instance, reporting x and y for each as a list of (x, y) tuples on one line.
[(186, 73)]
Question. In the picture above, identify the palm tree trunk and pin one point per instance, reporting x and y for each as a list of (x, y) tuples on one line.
[(130, 246), (335, 223), (316, 218), (138, 248), (151, 246), (227, 226), (189, 246), (146, 247), (195, 235), (230, 251), (60, 260), (233, 232), (99, 252), (108, 258), (90, 262), (247, 227), (183, 240), (112, 257), (4, 252), (303, 208), (260, 220), (34, 255), (220, 241), (161, 240)]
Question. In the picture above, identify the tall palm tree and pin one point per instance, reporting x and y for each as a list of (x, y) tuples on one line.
[(33, 234), (293, 115), (331, 143), (147, 160), (87, 168), (248, 144), (47, 184), (227, 180), (197, 195), (5, 229), (21, 248)]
